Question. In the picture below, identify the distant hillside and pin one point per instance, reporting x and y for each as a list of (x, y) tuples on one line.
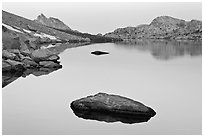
[(23, 23), (163, 27), (57, 24)]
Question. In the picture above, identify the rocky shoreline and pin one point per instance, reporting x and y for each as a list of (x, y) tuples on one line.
[(34, 45), (163, 27)]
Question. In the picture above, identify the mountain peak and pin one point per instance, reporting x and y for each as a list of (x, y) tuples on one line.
[(168, 20), (51, 22)]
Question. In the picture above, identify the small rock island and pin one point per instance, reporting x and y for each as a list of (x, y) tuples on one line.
[(112, 108), (99, 53)]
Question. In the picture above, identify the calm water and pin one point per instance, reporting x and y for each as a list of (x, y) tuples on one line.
[(165, 76)]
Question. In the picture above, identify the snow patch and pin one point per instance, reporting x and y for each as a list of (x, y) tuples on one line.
[(38, 35), (41, 35), (28, 31), (11, 28), (48, 36), (49, 46)]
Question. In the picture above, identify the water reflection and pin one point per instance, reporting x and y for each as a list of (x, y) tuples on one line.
[(164, 49), (9, 77), (111, 117)]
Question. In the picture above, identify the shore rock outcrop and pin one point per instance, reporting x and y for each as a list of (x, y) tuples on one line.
[(20, 55), (163, 27), (113, 106)]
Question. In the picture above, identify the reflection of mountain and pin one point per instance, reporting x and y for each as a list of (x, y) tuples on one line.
[(111, 117), (165, 49), (8, 77)]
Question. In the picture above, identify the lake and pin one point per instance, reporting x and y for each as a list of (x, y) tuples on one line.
[(166, 76)]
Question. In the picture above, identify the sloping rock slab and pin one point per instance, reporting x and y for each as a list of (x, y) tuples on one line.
[(99, 52), (112, 108)]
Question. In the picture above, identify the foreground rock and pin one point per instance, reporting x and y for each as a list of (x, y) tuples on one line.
[(112, 108), (163, 27), (99, 52)]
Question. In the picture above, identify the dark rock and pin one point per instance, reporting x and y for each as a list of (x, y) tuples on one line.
[(29, 63), (111, 117), (6, 66), (114, 106), (49, 64), (43, 71), (99, 52), (31, 28), (11, 65), (9, 76)]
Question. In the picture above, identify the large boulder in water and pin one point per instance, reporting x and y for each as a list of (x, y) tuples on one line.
[(112, 108)]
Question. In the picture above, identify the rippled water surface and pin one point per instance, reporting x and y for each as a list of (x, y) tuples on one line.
[(165, 76)]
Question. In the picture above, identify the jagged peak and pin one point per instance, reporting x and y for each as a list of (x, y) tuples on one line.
[(42, 15)]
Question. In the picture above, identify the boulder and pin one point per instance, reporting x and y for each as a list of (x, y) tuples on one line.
[(41, 55), (11, 65), (8, 55), (111, 117), (99, 52), (112, 106), (31, 28), (50, 64), (53, 58), (29, 63)]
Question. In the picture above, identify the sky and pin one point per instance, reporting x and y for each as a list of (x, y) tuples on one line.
[(104, 17)]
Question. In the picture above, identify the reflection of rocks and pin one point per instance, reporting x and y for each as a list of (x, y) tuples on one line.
[(111, 117), (164, 49), (20, 57), (10, 76), (112, 108), (99, 52), (49, 64)]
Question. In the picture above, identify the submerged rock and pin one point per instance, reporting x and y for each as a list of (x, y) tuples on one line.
[(112, 108), (99, 52)]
